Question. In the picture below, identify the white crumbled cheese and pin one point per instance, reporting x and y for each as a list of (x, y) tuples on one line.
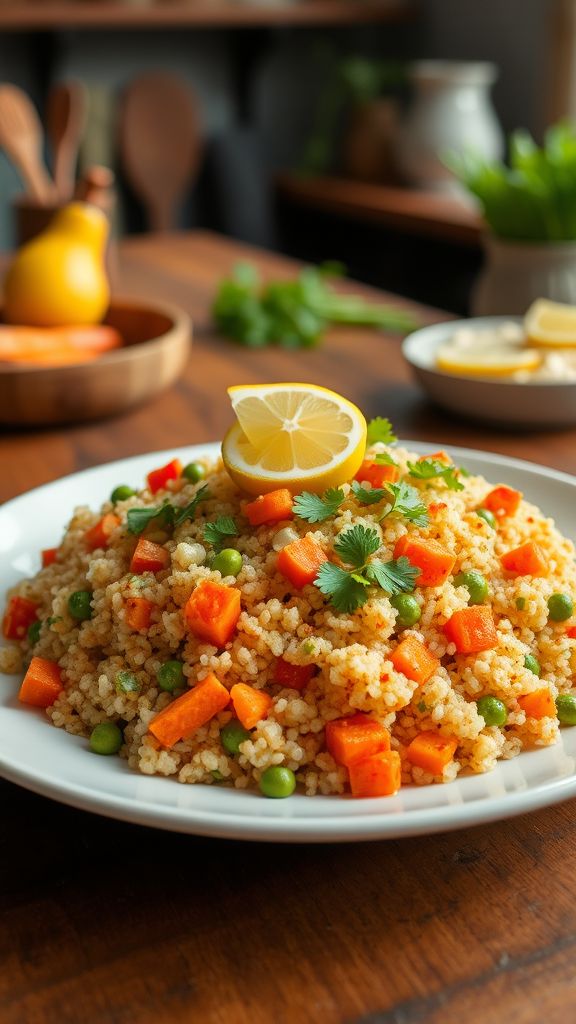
[(188, 554), (284, 537)]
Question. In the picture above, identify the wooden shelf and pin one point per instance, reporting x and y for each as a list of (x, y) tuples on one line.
[(23, 16), (411, 210)]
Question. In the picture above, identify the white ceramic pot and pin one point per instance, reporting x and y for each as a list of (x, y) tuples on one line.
[(517, 273), (451, 111)]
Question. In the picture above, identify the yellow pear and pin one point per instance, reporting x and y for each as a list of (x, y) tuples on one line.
[(58, 278)]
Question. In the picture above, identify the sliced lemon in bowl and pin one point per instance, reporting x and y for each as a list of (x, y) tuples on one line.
[(299, 436), (490, 361), (551, 324)]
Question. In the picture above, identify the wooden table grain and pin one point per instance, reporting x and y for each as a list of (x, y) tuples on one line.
[(107, 923)]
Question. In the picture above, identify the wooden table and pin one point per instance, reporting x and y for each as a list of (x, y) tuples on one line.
[(107, 923)]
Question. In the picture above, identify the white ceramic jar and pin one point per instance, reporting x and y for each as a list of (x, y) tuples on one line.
[(451, 110), (517, 273)]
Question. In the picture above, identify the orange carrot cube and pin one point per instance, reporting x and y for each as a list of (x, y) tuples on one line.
[(538, 704), (250, 705), (189, 712), (472, 629), (526, 560), (432, 751), (434, 562), (355, 737), (414, 660), (99, 534), (212, 612), (42, 683), (299, 561), (270, 508), (149, 557), (377, 775)]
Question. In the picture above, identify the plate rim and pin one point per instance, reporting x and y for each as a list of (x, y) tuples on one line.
[(260, 827)]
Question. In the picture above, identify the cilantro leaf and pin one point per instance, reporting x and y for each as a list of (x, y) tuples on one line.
[(188, 512), (383, 459), (354, 546), (398, 576), (315, 508), (347, 591), (407, 503), (428, 469), (139, 518), (368, 497), (215, 533), (380, 429)]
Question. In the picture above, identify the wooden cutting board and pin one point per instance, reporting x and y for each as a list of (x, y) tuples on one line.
[(160, 144)]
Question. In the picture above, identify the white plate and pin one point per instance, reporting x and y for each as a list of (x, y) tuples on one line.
[(48, 761)]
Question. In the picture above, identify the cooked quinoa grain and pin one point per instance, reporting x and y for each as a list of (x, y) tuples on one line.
[(310, 662)]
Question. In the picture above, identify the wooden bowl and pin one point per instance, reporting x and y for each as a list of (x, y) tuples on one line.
[(157, 341)]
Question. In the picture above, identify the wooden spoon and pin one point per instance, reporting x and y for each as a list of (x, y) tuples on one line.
[(21, 137), (65, 123), (160, 144)]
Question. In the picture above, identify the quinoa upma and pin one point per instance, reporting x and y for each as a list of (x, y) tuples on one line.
[(411, 625)]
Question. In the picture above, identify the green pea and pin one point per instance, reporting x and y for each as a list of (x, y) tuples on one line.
[(560, 607), (106, 738), (194, 472), (227, 562), (171, 676), (126, 682), (487, 516), (79, 605), (492, 709), (121, 493), (34, 632), (217, 776), (475, 584), (277, 782), (532, 664), (408, 609), (232, 735), (566, 708)]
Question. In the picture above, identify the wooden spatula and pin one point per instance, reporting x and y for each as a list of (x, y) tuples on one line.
[(21, 137), (65, 122), (160, 144)]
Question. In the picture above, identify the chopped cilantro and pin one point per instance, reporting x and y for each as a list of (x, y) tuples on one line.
[(355, 545), (347, 591), (315, 508), (215, 533), (366, 496), (348, 588), (398, 576), (383, 459), (380, 429), (167, 515), (427, 469), (407, 503)]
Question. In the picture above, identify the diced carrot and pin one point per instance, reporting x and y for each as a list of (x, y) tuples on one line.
[(48, 556), (99, 534), (270, 508), (431, 751), (502, 501), (138, 612), (158, 478), (355, 738), (571, 632), (434, 562), (250, 705), (38, 344), (212, 611), (414, 660), (526, 560), (299, 561), (440, 456), (189, 712), (436, 506), (376, 474), (472, 629), (19, 616), (296, 677), (41, 684), (149, 557), (377, 775), (538, 704)]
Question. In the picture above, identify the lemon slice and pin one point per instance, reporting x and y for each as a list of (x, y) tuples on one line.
[(496, 361), (298, 436), (551, 324)]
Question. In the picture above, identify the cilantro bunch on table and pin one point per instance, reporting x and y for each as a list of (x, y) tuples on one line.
[(297, 312)]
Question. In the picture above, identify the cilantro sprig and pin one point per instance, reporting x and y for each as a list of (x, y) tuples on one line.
[(368, 496), (407, 503), (430, 469), (167, 515), (347, 588), (380, 429), (315, 508), (216, 532)]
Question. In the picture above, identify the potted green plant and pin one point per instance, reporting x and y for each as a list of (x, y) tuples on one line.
[(529, 208)]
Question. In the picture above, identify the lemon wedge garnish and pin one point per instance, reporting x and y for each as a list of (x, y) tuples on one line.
[(299, 436), (492, 361), (551, 324)]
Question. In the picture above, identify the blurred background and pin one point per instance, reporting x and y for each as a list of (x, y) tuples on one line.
[(298, 125)]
